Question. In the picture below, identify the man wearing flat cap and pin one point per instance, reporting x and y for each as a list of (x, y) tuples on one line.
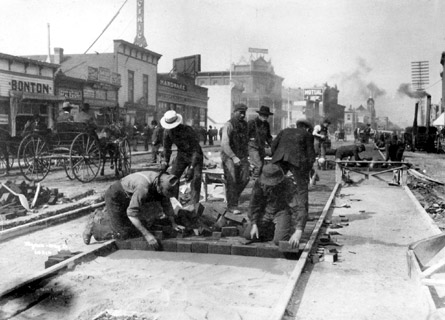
[(189, 154), (272, 205), (259, 139), (234, 156), (65, 116), (293, 150), (124, 201)]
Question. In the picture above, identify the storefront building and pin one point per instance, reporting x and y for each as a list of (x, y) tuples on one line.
[(26, 88), (179, 92)]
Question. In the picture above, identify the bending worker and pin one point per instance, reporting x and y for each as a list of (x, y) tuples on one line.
[(189, 153), (345, 152), (123, 202), (272, 204)]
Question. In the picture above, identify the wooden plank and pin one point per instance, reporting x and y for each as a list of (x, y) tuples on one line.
[(280, 308)]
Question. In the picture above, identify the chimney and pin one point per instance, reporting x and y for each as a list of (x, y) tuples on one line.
[(428, 112), (58, 55)]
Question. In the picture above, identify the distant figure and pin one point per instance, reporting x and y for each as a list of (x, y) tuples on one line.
[(220, 133), (366, 134), (210, 135), (65, 116), (147, 136), (156, 140), (34, 125), (321, 134)]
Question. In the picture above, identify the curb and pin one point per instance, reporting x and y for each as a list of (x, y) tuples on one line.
[(281, 306)]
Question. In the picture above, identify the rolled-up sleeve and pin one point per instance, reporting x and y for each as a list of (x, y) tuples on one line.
[(257, 204)]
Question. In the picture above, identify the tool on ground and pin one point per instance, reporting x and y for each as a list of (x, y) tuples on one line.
[(22, 198)]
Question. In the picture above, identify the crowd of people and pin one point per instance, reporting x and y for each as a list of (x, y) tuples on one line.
[(279, 200)]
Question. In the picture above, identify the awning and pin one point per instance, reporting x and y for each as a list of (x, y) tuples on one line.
[(35, 96), (440, 121)]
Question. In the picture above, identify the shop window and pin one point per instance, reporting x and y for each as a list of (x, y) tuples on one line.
[(214, 82), (130, 86)]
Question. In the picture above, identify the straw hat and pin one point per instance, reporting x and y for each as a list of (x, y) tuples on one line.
[(171, 119)]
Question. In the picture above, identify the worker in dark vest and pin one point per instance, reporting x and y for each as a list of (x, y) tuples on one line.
[(259, 139), (234, 156), (189, 154), (394, 152)]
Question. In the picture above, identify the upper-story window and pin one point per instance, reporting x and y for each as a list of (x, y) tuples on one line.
[(145, 87), (130, 86)]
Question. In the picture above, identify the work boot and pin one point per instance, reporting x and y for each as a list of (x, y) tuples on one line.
[(88, 231)]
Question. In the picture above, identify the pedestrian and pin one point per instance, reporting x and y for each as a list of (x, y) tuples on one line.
[(147, 132), (65, 115), (203, 134), (366, 134), (189, 155), (135, 135), (273, 205), (157, 138), (259, 139), (293, 150), (210, 135), (321, 134), (123, 202), (394, 153), (234, 156)]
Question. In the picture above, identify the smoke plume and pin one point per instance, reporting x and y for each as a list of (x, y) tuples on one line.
[(405, 89), (354, 85)]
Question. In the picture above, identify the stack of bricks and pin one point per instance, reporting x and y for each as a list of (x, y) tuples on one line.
[(10, 206), (227, 242)]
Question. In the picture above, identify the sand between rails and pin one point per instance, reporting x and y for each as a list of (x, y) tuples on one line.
[(164, 285)]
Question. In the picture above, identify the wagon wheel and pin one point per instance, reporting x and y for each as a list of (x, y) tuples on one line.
[(85, 157), (68, 169), (124, 165), (34, 158), (3, 164)]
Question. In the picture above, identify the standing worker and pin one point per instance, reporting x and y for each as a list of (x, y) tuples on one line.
[(156, 140), (123, 202), (234, 156), (321, 134), (147, 136), (293, 150), (210, 134), (259, 139), (189, 153)]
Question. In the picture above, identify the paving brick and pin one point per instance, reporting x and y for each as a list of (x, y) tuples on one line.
[(10, 215), (330, 257), (229, 232), (54, 259), (184, 246), (169, 245), (158, 234), (200, 246), (216, 235), (220, 248), (241, 250), (235, 218), (123, 244), (139, 245), (269, 252), (284, 246)]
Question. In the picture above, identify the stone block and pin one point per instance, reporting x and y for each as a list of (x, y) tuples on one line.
[(284, 246), (216, 235), (241, 250), (169, 245), (234, 218), (220, 248), (269, 252), (200, 246), (10, 215), (158, 234), (331, 257), (184, 246), (123, 244), (229, 232)]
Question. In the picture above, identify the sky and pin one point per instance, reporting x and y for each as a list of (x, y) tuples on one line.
[(364, 47)]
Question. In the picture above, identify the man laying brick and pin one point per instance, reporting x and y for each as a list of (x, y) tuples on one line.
[(272, 204), (123, 202), (352, 151)]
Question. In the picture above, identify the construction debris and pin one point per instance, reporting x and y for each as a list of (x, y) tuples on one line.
[(18, 198)]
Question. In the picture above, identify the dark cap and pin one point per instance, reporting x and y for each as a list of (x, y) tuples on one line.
[(271, 175), (265, 111), (304, 122), (327, 121), (168, 183), (240, 107)]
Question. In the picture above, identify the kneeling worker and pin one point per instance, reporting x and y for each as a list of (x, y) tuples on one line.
[(272, 204), (123, 201), (349, 151)]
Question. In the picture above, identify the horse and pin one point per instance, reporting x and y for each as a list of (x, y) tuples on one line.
[(109, 140)]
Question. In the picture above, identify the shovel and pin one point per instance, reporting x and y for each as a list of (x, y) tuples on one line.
[(22, 198)]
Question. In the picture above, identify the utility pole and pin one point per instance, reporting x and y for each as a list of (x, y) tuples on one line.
[(288, 107), (420, 78)]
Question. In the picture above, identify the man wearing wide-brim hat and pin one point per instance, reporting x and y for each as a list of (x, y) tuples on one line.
[(234, 156), (124, 202), (189, 155), (65, 115), (259, 139), (272, 204)]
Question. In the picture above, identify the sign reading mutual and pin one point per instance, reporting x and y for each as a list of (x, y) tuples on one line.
[(313, 94)]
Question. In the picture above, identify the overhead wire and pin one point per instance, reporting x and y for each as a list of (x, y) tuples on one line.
[(106, 27)]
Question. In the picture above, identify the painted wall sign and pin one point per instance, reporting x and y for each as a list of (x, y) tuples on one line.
[(70, 93), (30, 86), (104, 74), (172, 84), (4, 119), (313, 94), (93, 73)]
